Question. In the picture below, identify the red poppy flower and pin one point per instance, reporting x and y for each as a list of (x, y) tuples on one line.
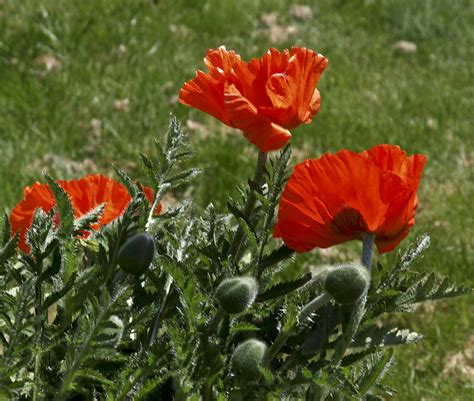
[(339, 196), (85, 194), (264, 97)]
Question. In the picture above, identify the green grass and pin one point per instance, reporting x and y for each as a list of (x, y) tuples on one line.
[(370, 94)]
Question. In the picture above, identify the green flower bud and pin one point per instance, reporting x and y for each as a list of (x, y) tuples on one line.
[(347, 282), (237, 294), (136, 255), (247, 358)]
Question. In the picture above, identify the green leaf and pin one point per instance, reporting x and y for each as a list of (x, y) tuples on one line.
[(63, 206), (275, 257), (149, 167), (39, 235), (10, 248), (249, 234), (374, 370), (375, 336), (332, 378), (283, 288), (56, 296), (183, 177), (428, 288), (132, 188), (7, 230), (243, 327), (54, 268), (85, 221)]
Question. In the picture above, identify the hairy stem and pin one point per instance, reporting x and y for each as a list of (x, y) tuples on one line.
[(313, 306), (157, 324), (216, 320), (367, 246), (39, 330), (359, 308), (236, 244)]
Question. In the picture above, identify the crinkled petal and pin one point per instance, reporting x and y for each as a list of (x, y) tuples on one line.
[(205, 93), (338, 197), (38, 196), (258, 129)]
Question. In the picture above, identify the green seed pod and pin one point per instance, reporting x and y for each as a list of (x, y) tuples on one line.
[(237, 294), (136, 255), (347, 282), (247, 358)]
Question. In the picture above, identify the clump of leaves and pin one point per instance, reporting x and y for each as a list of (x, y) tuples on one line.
[(75, 326)]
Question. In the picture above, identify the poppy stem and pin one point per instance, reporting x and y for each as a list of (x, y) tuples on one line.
[(157, 324), (367, 247), (359, 307), (249, 205), (215, 321)]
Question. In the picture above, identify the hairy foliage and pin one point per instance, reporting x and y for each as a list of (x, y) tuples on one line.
[(74, 326)]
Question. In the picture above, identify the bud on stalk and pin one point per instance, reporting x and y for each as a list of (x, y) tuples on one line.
[(136, 255), (347, 282), (237, 294), (247, 358)]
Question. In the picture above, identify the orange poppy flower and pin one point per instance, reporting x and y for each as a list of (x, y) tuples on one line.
[(264, 97), (85, 194), (339, 196)]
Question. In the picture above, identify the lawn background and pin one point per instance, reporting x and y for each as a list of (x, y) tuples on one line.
[(85, 84)]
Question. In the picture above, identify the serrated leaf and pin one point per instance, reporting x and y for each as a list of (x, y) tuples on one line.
[(283, 288), (427, 288), (249, 234), (85, 221), (7, 230), (374, 370), (132, 188), (54, 268), (242, 327), (374, 336), (94, 375), (148, 166), (38, 235), (333, 379), (276, 256), (55, 296), (10, 248), (183, 177), (233, 208), (63, 205)]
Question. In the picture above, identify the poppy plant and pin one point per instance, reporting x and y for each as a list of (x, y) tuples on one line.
[(264, 98), (85, 194), (339, 197)]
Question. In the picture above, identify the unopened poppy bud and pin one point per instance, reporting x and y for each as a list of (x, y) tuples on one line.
[(247, 358), (136, 255), (347, 282), (237, 294)]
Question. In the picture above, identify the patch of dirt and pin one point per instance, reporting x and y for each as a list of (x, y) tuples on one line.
[(122, 104), (301, 12), (181, 31), (302, 153), (48, 63), (121, 50), (462, 362), (197, 128), (404, 46), (274, 31), (337, 254), (96, 127), (63, 166)]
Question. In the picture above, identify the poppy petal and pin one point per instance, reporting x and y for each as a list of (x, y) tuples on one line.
[(258, 129), (205, 93), (339, 196)]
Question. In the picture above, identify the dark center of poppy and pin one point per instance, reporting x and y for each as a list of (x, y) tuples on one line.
[(349, 221)]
